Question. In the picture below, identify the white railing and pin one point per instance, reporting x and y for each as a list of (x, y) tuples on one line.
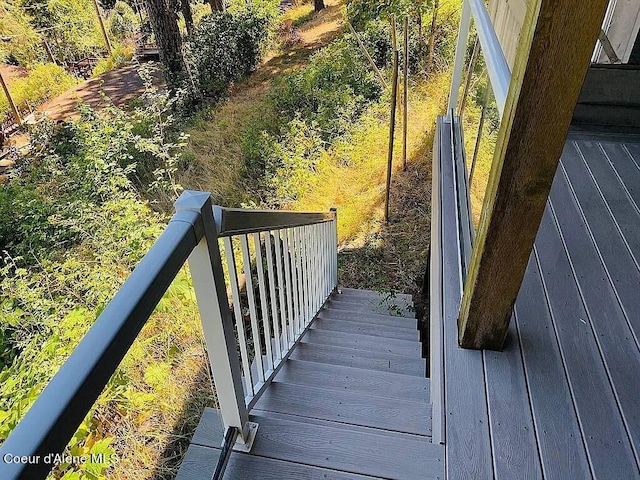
[(299, 275), (294, 259), (497, 67)]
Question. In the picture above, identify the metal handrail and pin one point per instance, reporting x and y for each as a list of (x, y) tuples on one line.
[(238, 221), (310, 261), (497, 66)]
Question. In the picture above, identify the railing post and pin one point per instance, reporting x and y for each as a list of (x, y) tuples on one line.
[(205, 265), (334, 277), (461, 48)]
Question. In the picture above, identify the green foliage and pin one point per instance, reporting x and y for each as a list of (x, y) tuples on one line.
[(309, 108), (224, 48), (120, 56), (123, 22), (360, 12), (78, 166), (24, 46), (331, 92), (45, 81), (72, 227)]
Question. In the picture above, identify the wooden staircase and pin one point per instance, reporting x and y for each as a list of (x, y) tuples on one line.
[(351, 400)]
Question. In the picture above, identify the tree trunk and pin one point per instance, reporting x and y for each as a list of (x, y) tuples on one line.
[(318, 5), (164, 23), (185, 6), (420, 42), (216, 5), (432, 35)]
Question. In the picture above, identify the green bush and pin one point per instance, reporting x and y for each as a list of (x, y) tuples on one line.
[(306, 110), (360, 12), (225, 48), (72, 227), (123, 22), (330, 92)]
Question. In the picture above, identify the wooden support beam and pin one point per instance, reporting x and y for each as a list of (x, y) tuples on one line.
[(553, 55)]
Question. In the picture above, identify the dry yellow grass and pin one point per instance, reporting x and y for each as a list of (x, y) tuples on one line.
[(357, 188), (352, 176)]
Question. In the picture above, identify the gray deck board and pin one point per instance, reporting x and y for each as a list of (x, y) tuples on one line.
[(348, 407), (618, 205), (559, 439), (370, 318), (604, 433), (611, 246), (361, 328), (199, 463), (362, 342), (335, 446), (369, 382), (612, 333), (468, 448), (383, 362), (514, 443)]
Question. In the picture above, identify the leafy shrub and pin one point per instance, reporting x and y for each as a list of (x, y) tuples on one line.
[(120, 56), (307, 109), (360, 12), (225, 48), (45, 81), (72, 227), (123, 22), (330, 92)]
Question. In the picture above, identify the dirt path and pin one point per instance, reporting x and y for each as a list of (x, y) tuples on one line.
[(120, 86), (124, 84)]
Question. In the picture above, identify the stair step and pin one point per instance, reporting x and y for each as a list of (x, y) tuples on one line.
[(399, 309), (380, 361), (345, 292), (200, 462), (343, 406), (367, 452), (363, 342), (360, 328), (370, 318), (357, 380)]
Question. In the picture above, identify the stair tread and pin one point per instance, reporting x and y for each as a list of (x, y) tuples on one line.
[(200, 462), (373, 318), (381, 361), (375, 452), (360, 328), (400, 309), (340, 377), (348, 407), (363, 342), (359, 293)]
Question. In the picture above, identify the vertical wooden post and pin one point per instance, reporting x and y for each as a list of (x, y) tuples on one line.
[(406, 93), (467, 82), (48, 50), (392, 121), (366, 53), (12, 104), (476, 149), (104, 30), (553, 56)]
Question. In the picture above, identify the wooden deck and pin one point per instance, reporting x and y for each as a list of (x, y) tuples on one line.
[(562, 400), (351, 402)]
